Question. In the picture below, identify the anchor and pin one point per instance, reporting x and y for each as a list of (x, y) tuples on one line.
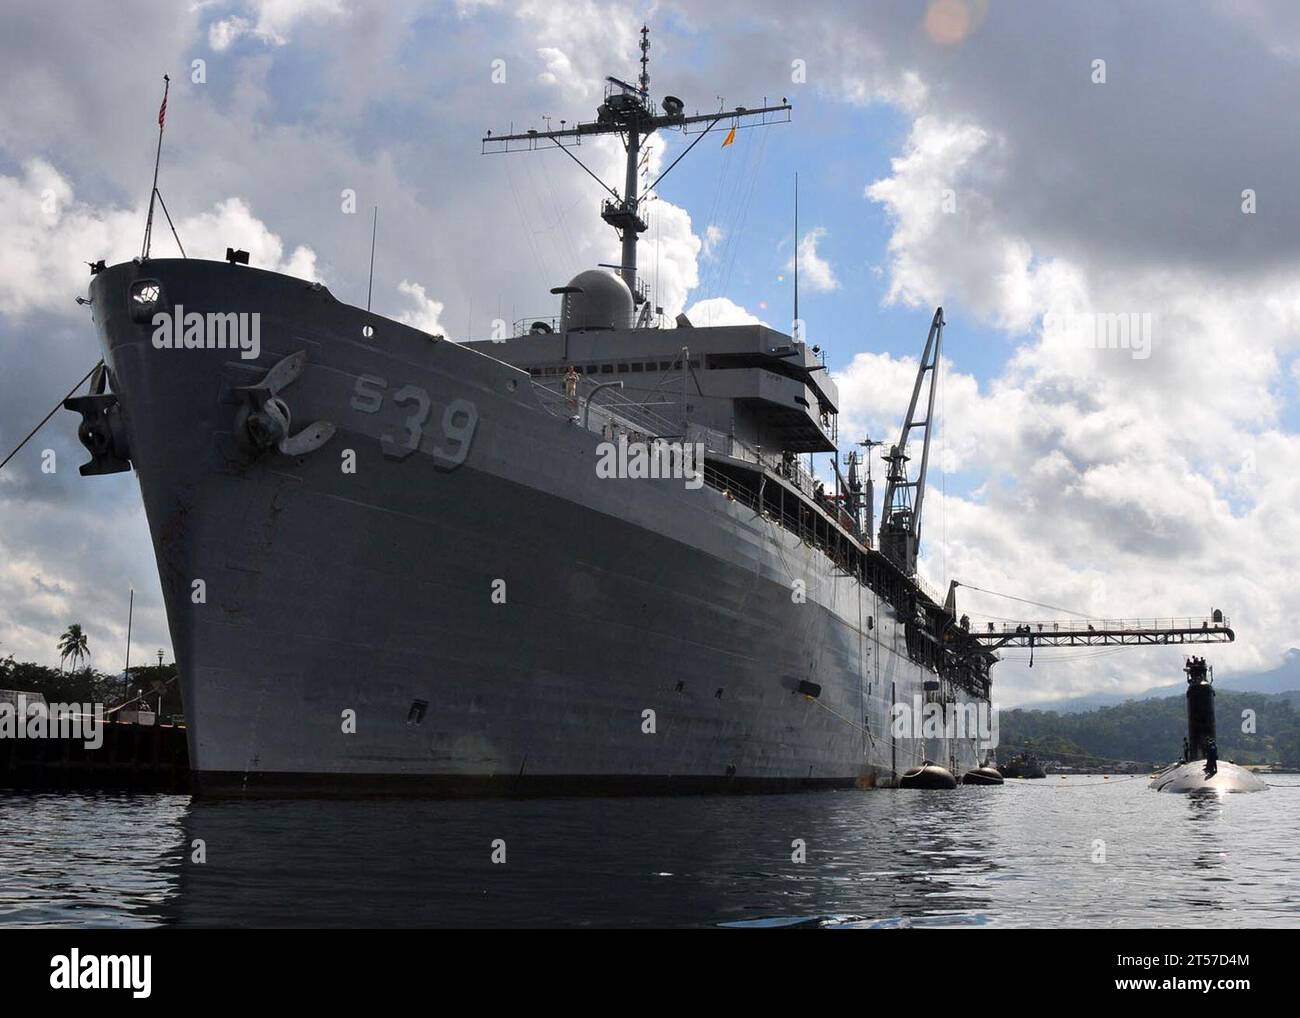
[(263, 419), (102, 429)]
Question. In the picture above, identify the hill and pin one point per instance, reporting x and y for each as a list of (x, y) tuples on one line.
[(1152, 730)]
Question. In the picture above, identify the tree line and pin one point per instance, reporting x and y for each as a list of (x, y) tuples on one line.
[(1152, 731), (75, 681)]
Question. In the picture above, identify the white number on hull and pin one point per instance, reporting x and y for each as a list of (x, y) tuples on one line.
[(459, 421), (408, 395), (461, 433)]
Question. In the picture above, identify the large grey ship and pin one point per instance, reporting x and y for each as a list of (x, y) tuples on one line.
[(393, 562)]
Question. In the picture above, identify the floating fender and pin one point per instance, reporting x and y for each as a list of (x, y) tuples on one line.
[(928, 775), (982, 776)]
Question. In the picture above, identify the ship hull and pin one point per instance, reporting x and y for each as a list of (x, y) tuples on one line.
[(447, 599)]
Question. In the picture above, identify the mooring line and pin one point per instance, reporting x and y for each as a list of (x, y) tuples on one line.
[(46, 418)]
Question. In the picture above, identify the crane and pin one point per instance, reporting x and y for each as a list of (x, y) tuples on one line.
[(900, 518)]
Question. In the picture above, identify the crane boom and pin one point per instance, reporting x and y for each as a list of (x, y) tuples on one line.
[(900, 520), (1102, 633)]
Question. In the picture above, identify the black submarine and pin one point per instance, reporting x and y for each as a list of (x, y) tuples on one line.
[(1200, 769)]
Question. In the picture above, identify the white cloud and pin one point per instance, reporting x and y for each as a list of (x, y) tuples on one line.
[(720, 311), (224, 32), (559, 71), (815, 272), (51, 236), (231, 223), (272, 20), (713, 236), (427, 313)]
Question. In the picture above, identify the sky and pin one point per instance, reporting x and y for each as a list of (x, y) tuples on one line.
[(1036, 169)]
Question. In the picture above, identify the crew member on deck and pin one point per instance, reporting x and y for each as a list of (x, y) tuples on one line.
[(571, 388)]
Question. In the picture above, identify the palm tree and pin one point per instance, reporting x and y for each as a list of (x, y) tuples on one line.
[(72, 644)]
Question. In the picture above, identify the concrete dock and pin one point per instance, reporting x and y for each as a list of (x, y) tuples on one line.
[(133, 757)]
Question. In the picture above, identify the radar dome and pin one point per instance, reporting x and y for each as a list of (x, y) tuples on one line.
[(595, 299)]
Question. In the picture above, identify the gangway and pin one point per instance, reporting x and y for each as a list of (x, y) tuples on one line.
[(1107, 632)]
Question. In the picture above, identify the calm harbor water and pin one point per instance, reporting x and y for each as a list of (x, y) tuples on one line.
[(1026, 854)]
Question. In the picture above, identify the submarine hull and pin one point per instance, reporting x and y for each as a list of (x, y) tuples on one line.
[(1190, 777)]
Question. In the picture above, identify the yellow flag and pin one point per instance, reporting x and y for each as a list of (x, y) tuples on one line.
[(731, 136)]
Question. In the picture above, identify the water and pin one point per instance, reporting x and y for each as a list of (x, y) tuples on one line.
[(1019, 855)]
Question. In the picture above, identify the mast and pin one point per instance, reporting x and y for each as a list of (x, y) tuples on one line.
[(153, 192), (628, 112), (799, 335), (869, 497)]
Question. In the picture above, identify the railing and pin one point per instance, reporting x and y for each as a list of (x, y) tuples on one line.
[(631, 419), (729, 445), (797, 474), (1111, 625), (523, 326), (799, 524), (721, 443), (1106, 632), (928, 589)]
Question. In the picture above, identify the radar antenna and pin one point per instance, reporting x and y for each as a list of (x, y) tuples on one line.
[(627, 111)]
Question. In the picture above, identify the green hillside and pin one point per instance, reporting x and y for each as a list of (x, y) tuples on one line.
[(1152, 731)]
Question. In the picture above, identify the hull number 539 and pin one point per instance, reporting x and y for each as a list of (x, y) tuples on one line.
[(459, 419)]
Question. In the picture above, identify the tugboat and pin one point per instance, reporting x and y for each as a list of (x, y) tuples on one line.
[(1024, 764)]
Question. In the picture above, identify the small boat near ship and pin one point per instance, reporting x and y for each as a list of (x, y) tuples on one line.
[(1024, 764)]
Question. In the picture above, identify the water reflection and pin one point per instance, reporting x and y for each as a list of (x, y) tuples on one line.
[(1072, 853), (693, 861), (98, 859)]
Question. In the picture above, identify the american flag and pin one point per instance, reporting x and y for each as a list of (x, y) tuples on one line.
[(162, 110)]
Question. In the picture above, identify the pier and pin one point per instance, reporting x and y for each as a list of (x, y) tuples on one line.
[(133, 757)]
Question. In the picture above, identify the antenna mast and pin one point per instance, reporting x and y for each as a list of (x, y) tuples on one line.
[(798, 330), (374, 230), (627, 112), (645, 62)]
